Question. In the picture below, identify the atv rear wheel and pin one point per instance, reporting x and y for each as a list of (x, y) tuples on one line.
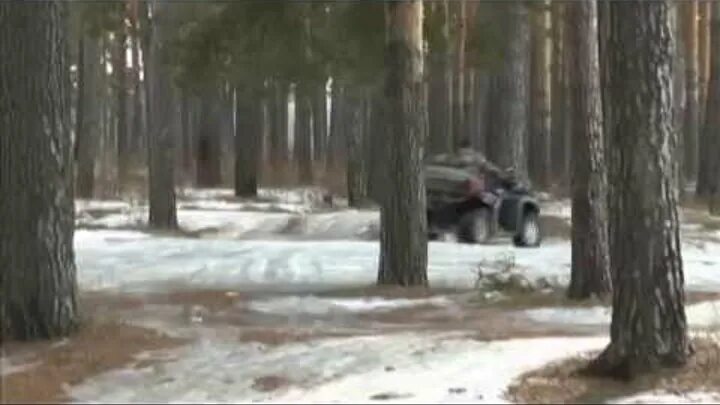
[(476, 226), (529, 234)]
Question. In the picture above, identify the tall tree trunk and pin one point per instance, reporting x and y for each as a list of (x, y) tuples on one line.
[(88, 137), (303, 135), (649, 327), (319, 120), (515, 80), (336, 141), (441, 88), (188, 129), (590, 272), (691, 119), (459, 77), (559, 92), (357, 173), (705, 15), (706, 171), (403, 240), (248, 143), (279, 124), (38, 285), (540, 140), (208, 161), (161, 139), (711, 131), (138, 125), (121, 88)]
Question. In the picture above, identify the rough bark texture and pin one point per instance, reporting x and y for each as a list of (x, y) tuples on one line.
[(515, 82), (649, 327), (208, 161), (248, 144), (303, 135), (357, 174), (161, 137), (38, 287), (711, 131), (540, 140), (90, 116), (441, 89), (590, 272), (403, 240), (691, 121)]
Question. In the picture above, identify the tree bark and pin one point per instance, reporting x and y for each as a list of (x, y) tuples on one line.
[(303, 135), (705, 15), (441, 89), (711, 132), (208, 160), (459, 77), (138, 124), (248, 144), (540, 140), (590, 272), (89, 130), (38, 285), (121, 88), (403, 240), (559, 93), (357, 174), (515, 82), (649, 327), (161, 139), (336, 141), (691, 119), (279, 125), (707, 172), (319, 122)]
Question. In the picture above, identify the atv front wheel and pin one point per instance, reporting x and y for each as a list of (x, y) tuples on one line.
[(475, 226), (529, 233)]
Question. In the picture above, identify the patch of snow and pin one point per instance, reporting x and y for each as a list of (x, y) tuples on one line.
[(324, 306), (8, 367), (663, 397), (703, 314), (425, 368)]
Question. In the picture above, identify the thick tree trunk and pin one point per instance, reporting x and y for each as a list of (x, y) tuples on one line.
[(303, 135), (692, 110), (649, 327), (208, 160), (403, 240), (590, 273), (540, 140), (515, 82), (38, 286), (319, 122), (89, 130), (121, 88), (441, 138), (711, 131), (162, 135), (248, 144)]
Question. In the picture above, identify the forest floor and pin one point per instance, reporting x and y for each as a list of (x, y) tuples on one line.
[(271, 300)]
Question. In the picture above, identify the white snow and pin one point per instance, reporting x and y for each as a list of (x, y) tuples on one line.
[(17, 365), (703, 314), (662, 397), (323, 306), (425, 368)]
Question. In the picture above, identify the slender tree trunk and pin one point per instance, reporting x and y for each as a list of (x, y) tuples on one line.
[(515, 80), (705, 15), (440, 88), (319, 119), (706, 172), (692, 109), (459, 77), (481, 112), (357, 174), (248, 144), (186, 152), (403, 240), (38, 285), (711, 137), (558, 92), (161, 139), (590, 273), (540, 140), (279, 124), (208, 161), (336, 141), (649, 327), (303, 135), (88, 136), (138, 124), (121, 83)]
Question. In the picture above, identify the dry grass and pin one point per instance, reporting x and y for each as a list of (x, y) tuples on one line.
[(96, 348), (562, 382)]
